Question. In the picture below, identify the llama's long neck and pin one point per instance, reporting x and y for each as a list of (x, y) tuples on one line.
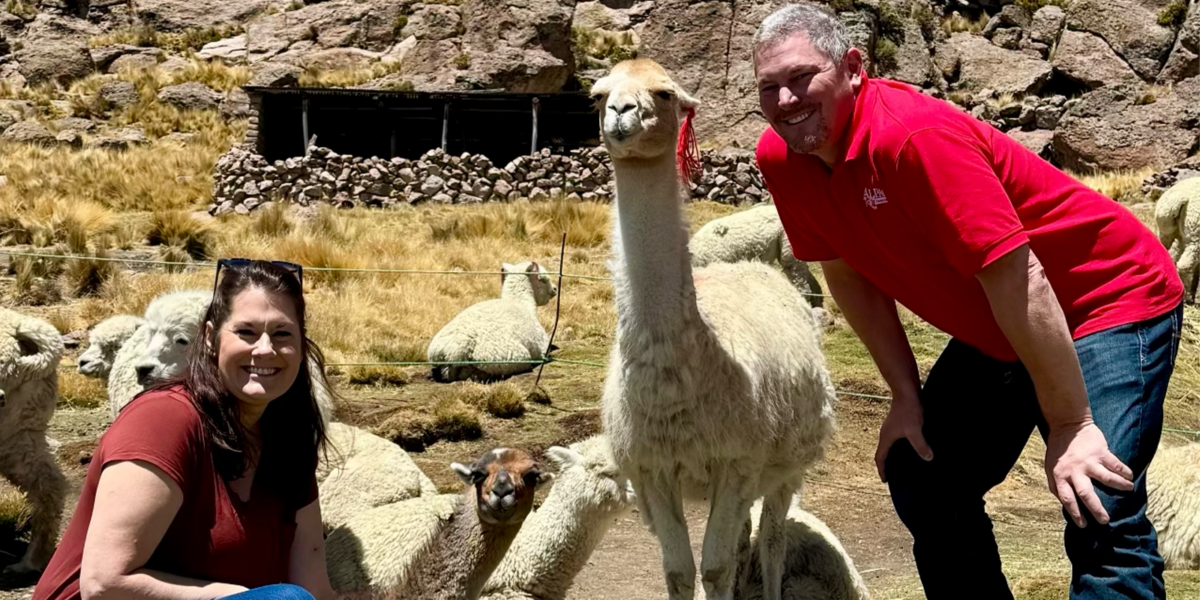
[(559, 538), (653, 274), (464, 555)]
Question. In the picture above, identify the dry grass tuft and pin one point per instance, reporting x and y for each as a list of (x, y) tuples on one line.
[(36, 281), (87, 276), (452, 420), (348, 77), (77, 391), (15, 513), (501, 400), (147, 36), (587, 224), (272, 222), (48, 220), (1117, 185), (377, 376), (181, 229), (956, 23)]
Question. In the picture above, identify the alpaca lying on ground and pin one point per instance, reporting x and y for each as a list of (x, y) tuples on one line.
[(104, 341), (754, 234), (815, 566), (158, 349), (554, 544), (438, 547), (1173, 504), (365, 471), (504, 328), (705, 397), (30, 352), (1177, 215)]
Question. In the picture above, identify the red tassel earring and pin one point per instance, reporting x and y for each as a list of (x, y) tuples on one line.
[(687, 153)]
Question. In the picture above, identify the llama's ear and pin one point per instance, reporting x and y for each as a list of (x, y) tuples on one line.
[(464, 473), (533, 267), (686, 101), (563, 457), (601, 88), (544, 477)]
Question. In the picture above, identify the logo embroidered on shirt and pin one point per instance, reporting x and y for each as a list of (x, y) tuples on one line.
[(874, 197)]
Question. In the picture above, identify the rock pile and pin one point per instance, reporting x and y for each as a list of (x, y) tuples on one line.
[(245, 181)]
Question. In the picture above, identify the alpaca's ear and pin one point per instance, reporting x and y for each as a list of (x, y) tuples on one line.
[(464, 473), (601, 88), (563, 457), (686, 101), (533, 267)]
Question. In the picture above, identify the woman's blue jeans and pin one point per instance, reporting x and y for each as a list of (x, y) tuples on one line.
[(979, 413), (278, 591)]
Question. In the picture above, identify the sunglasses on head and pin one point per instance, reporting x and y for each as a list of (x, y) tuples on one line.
[(239, 263)]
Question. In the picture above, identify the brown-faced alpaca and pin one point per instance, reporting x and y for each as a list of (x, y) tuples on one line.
[(437, 547), (703, 399), (30, 350)]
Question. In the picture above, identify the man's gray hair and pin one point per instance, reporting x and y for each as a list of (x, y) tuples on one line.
[(818, 22)]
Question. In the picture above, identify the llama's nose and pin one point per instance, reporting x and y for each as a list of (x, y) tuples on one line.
[(621, 108), (503, 486), (143, 371)]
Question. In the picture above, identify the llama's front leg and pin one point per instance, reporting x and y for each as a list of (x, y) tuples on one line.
[(726, 520), (663, 502), (33, 470), (772, 541)]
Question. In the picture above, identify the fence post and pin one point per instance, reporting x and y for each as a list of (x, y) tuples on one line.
[(445, 125), (533, 143), (304, 122)]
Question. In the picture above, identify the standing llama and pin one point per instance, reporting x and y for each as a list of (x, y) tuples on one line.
[(704, 398)]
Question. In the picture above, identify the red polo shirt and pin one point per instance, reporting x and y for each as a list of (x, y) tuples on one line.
[(927, 196)]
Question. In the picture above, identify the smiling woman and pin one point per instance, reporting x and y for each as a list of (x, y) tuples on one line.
[(205, 486)]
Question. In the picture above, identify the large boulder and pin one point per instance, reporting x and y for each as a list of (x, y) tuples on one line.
[(1087, 59), (192, 95), (913, 64), (274, 74), (518, 45), (1037, 140), (611, 16), (1113, 128), (1047, 23), (55, 49), (1130, 27), (229, 50), (29, 132), (982, 65), (177, 15), (434, 22), (236, 105), (137, 61), (332, 24), (1184, 61), (118, 94), (338, 59)]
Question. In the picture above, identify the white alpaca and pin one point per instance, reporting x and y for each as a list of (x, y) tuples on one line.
[(104, 341), (1173, 504), (754, 234), (704, 398), (500, 329), (30, 351), (816, 567), (1177, 215), (554, 544), (365, 471)]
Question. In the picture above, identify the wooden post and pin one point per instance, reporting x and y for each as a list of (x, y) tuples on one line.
[(304, 122), (533, 142), (445, 125)]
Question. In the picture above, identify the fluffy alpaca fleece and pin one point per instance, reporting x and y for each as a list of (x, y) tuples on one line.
[(1173, 505), (703, 399), (437, 547), (365, 471), (1177, 215), (504, 328), (30, 351), (104, 341), (158, 350), (754, 234), (816, 566), (554, 544)]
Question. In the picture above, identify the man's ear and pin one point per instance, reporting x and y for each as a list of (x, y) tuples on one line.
[(853, 63)]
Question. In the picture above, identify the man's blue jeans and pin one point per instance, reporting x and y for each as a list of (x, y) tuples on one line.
[(979, 413), (278, 591)]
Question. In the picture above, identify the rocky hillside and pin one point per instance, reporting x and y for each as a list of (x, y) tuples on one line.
[(1090, 84)]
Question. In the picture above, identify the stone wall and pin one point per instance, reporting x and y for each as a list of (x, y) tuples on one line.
[(245, 181)]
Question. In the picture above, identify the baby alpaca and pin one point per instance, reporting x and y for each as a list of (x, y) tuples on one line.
[(815, 566), (1177, 215), (30, 351), (438, 547), (104, 341), (1173, 504), (588, 496), (365, 471), (504, 328)]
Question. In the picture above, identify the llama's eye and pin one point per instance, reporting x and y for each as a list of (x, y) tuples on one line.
[(181, 341), (664, 94)]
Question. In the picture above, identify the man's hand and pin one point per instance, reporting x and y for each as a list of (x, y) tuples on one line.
[(904, 420), (1075, 455)]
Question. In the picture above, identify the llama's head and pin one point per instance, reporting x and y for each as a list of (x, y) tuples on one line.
[(30, 350), (532, 273), (504, 481), (104, 340), (641, 109), (172, 322), (589, 477)]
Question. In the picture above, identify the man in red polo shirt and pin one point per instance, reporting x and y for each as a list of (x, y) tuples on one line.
[(1064, 310)]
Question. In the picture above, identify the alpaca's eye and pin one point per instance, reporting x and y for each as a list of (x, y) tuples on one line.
[(664, 94), (182, 341)]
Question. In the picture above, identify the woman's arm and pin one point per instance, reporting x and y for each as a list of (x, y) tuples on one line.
[(135, 504), (306, 567)]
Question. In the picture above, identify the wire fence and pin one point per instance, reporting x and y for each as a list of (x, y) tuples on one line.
[(539, 363)]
